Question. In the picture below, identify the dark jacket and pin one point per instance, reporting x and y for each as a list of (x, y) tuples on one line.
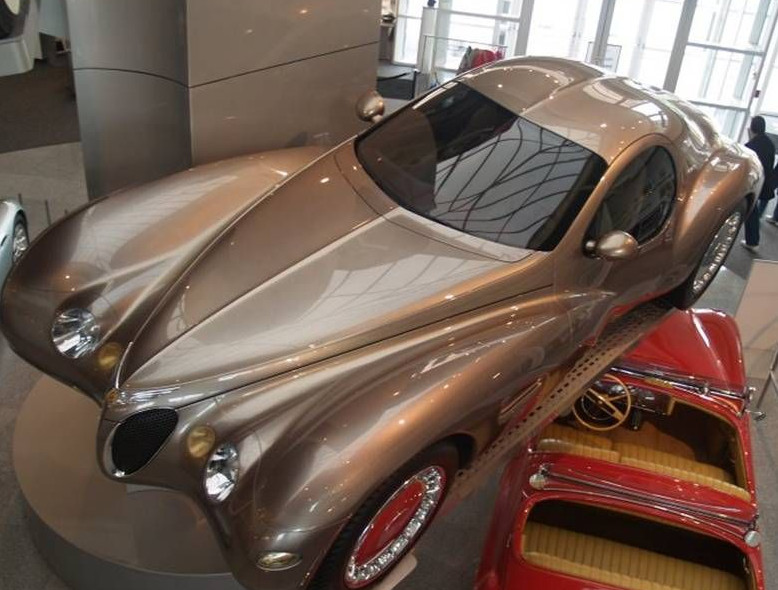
[(765, 151)]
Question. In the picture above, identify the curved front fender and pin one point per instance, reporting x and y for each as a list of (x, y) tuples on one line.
[(379, 416)]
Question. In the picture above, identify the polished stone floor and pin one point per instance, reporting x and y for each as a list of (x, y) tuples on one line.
[(449, 553)]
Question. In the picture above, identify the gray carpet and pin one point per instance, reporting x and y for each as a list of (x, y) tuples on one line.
[(37, 108)]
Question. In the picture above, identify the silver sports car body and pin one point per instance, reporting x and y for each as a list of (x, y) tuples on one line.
[(13, 235)]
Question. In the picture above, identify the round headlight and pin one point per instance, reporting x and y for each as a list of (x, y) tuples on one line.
[(75, 333), (221, 472)]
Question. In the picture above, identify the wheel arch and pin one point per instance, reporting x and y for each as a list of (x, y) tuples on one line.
[(20, 214), (722, 183), (466, 445)]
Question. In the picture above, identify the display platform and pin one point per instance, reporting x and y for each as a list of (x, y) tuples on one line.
[(96, 533)]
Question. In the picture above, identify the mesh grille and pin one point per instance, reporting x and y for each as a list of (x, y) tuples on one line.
[(139, 437)]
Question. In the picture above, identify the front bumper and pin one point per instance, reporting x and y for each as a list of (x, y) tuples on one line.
[(244, 529), (311, 545)]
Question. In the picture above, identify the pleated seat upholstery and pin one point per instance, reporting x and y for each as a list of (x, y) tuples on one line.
[(565, 439), (703, 480), (566, 434), (623, 566), (555, 445), (648, 455)]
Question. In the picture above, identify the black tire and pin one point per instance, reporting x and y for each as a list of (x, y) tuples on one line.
[(7, 20), (331, 574), (685, 295)]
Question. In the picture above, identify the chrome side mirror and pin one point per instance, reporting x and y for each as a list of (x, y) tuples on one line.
[(615, 245), (370, 107)]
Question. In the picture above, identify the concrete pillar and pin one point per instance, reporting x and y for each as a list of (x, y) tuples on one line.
[(165, 84)]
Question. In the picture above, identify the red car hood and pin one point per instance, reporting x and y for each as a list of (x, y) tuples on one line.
[(704, 344)]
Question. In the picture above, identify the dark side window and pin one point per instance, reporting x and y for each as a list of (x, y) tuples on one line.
[(641, 198), (464, 161)]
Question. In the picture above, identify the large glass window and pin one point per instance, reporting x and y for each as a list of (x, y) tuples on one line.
[(464, 161), (564, 28), (641, 198), (726, 47), (408, 31), (735, 23), (641, 38)]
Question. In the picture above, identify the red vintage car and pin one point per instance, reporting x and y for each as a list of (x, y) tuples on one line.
[(647, 484)]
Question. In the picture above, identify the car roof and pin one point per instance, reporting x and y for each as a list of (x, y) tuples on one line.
[(601, 111)]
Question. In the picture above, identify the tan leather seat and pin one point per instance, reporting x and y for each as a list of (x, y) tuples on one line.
[(555, 445), (616, 564), (709, 482), (649, 455), (567, 434), (557, 438)]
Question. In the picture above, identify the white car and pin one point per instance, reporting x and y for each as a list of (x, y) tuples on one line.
[(13, 235)]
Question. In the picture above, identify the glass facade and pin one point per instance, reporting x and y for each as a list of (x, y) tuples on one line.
[(641, 38), (564, 28), (711, 52)]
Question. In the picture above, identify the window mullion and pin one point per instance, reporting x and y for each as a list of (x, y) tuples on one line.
[(525, 21), (603, 31), (679, 46)]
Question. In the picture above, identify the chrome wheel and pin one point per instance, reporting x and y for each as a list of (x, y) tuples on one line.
[(394, 528), (20, 241), (716, 253)]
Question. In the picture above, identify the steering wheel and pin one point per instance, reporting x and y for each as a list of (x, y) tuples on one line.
[(605, 405)]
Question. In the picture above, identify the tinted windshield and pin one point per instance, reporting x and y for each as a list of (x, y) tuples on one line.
[(464, 161)]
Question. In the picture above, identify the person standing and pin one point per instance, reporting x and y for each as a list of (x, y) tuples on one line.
[(765, 151), (773, 219)]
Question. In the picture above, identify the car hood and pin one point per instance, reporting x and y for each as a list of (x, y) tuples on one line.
[(311, 272), (700, 344)]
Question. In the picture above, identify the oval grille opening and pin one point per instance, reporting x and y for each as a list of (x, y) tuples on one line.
[(139, 437)]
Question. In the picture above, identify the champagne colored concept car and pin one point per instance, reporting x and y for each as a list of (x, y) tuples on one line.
[(311, 344), (648, 483), (13, 235)]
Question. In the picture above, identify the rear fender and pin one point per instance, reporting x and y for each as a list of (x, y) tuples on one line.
[(729, 176)]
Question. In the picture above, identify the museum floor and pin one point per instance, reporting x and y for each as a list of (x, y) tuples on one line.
[(51, 182)]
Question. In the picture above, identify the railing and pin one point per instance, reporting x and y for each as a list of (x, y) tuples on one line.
[(442, 57), (409, 30)]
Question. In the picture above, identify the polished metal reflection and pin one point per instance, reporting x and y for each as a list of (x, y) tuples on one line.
[(615, 245), (370, 107), (717, 251), (221, 472), (75, 333), (275, 561), (20, 241)]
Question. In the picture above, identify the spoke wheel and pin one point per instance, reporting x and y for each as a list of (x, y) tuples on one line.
[(395, 527), (20, 240), (605, 405), (389, 522), (687, 293), (716, 253)]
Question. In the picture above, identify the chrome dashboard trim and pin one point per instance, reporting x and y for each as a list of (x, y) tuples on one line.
[(687, 383)]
